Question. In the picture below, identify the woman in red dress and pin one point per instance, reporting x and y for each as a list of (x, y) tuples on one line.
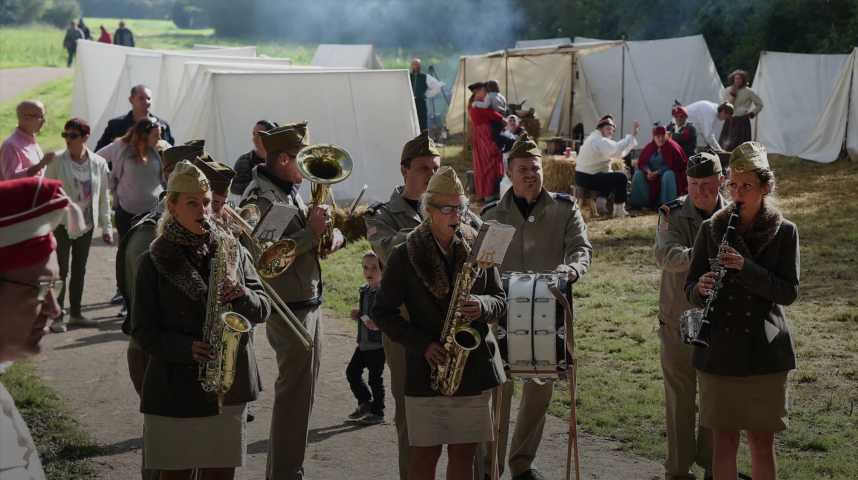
[(486, 157)]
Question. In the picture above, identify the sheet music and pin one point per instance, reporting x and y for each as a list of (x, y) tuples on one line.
[(274, 223), (492, 242)]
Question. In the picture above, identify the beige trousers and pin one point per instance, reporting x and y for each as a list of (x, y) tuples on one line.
[(535, 399), (394, 355), (294, 392), (687, 441)]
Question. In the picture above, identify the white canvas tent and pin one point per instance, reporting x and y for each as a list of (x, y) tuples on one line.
[(246, 51), (348, 56), (370, 113), (631, 80), (543, 42), (809, 104), (541, 75), (104, 75)]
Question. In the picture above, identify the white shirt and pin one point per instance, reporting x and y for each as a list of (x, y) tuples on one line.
[(597, 152), (704, 116), (745, 102), (19, 459)]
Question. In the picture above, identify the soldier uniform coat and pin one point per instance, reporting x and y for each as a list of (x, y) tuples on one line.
[(553, 237), (687, 441)]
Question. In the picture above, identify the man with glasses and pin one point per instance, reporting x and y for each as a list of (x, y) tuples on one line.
[(20, 154), (30, 209), (550, 236), (678, 223), (387, 225)]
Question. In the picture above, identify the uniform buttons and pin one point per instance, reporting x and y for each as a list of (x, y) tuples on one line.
[(747, 330), (747, 314), (727, 329), (730, 297), (729, 314)]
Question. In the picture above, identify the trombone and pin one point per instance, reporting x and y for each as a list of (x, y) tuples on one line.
[(271, 260)]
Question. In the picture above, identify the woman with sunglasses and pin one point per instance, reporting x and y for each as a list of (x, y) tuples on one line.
[(420, 275), (135, 176), (85, 179), (743, 372)]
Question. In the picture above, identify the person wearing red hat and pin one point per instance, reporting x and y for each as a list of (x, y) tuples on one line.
[(30, 209), (660, 176), (682, 131)]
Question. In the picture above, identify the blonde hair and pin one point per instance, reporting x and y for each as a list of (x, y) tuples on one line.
[(166, 216)]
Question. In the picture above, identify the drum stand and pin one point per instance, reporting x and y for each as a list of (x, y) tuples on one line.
[(571, 376)]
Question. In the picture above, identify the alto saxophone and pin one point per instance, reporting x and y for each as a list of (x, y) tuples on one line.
[(223, 327), (457, 335)]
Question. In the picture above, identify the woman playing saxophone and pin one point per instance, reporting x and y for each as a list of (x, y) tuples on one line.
[(422, 274), (173, 314)]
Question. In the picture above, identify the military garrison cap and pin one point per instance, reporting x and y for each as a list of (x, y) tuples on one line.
[(524, 147), (219, 175), (703, 164), (749, 156), (445, 182), (186, 178), (420, 146)]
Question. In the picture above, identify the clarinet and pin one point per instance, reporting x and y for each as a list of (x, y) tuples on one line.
[(705, 332)]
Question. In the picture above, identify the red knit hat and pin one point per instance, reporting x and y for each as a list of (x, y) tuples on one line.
[(658, 130), (679, 111), (30, 210)]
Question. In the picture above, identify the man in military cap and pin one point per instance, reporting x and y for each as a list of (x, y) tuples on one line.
[(220, 177), (387, 225), (678, 223), (131, 246), (550, 235), (277, 181)]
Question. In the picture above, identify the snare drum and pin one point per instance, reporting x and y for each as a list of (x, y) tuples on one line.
[(532, 337)]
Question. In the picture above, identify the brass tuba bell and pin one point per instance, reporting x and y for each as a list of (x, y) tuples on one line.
[(324, 165)]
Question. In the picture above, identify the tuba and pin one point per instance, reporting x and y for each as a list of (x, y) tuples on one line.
[(223, 327), (457, 335), (324, 165)]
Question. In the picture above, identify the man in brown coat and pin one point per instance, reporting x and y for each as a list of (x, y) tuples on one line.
[(550, 235), (678, 224)]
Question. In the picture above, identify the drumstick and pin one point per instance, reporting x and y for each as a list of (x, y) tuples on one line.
[(571, 373)]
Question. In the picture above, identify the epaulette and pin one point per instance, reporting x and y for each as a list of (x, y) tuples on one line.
[(488, 207), (563, 197), (670, 206), (374, 208)]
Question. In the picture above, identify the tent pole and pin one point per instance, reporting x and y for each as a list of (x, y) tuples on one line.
[(572, 61), (623, 88), (465, 100), (506, 73)]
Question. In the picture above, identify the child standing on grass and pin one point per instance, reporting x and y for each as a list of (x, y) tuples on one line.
[(369, 353)]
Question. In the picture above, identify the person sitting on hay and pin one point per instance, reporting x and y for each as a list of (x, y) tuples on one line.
[(660, 176)]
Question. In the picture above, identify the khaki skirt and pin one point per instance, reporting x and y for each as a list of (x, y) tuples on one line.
[(219, 441), (757, 403), (444, 420)]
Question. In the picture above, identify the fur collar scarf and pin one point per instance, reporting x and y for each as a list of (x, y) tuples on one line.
[(172, 253), (427, 262), (751, 242)]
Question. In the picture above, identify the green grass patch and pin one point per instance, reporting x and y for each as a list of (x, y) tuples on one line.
[(343, 276), (56, 95), (32, 45), (63, 447)]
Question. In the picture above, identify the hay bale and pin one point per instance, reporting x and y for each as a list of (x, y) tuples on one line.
[(559, 173), (354, 227)]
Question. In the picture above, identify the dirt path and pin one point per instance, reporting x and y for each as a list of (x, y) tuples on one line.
[(88, 368), (15, 81)]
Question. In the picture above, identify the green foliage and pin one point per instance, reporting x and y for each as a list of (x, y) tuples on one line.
[(61, 13), (64, 448), (19, 12), (31, 45), (56, 96), (128, 8), (186, 14)]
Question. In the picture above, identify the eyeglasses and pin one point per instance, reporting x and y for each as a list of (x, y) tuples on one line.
[(71, 135), (448, 209), (42, 287)]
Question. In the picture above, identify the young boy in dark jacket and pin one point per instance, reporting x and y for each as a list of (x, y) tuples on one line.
[(369, 353)]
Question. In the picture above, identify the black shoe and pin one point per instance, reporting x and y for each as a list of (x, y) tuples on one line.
[(361, 411), (529, 474), (371, 419), (117, 298)]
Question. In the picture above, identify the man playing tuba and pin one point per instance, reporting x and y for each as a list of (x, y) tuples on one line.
[(300, 287)]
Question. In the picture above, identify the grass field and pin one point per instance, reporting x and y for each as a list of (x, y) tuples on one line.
[(63, 447), (41, 45)]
